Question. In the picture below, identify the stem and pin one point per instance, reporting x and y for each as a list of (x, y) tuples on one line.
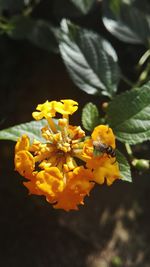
[(144, 58), (126, 80), (129, 150), (52, 125), (143, 75)]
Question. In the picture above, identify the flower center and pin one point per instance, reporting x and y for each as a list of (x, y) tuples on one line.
[(62, 146)]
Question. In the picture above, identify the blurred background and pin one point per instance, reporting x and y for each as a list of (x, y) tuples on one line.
[(112, 228)]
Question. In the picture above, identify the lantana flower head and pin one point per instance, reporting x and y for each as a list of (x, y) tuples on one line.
[(64, 168)]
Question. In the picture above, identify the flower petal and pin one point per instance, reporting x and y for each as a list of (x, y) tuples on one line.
[(67, 107), (45, 110), (77, 187), (22, 143), (108, 170), (104, 134), (24, 163), (50, 181)]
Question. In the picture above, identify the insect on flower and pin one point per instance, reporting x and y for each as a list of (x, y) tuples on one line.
[(100, 147)]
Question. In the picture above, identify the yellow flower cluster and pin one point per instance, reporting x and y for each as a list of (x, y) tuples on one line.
[(65, 168)]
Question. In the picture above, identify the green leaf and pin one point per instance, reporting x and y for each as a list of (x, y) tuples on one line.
[(129, 115), (32, 129), (124, 167), (126, 22), (90, 116), (90, 60), (83, 5), (38, 32)]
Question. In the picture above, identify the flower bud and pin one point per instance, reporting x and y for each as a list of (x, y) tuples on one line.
[(141, 164)]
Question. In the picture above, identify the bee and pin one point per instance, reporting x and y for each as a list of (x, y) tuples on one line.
[(103, 148)]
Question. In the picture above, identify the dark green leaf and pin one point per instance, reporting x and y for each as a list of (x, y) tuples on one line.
[(126, 21), (129, 115), (21, 27), (90, 60), (38, 32), (124, 167), (90, 116), (83, 5), (32, 129)]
